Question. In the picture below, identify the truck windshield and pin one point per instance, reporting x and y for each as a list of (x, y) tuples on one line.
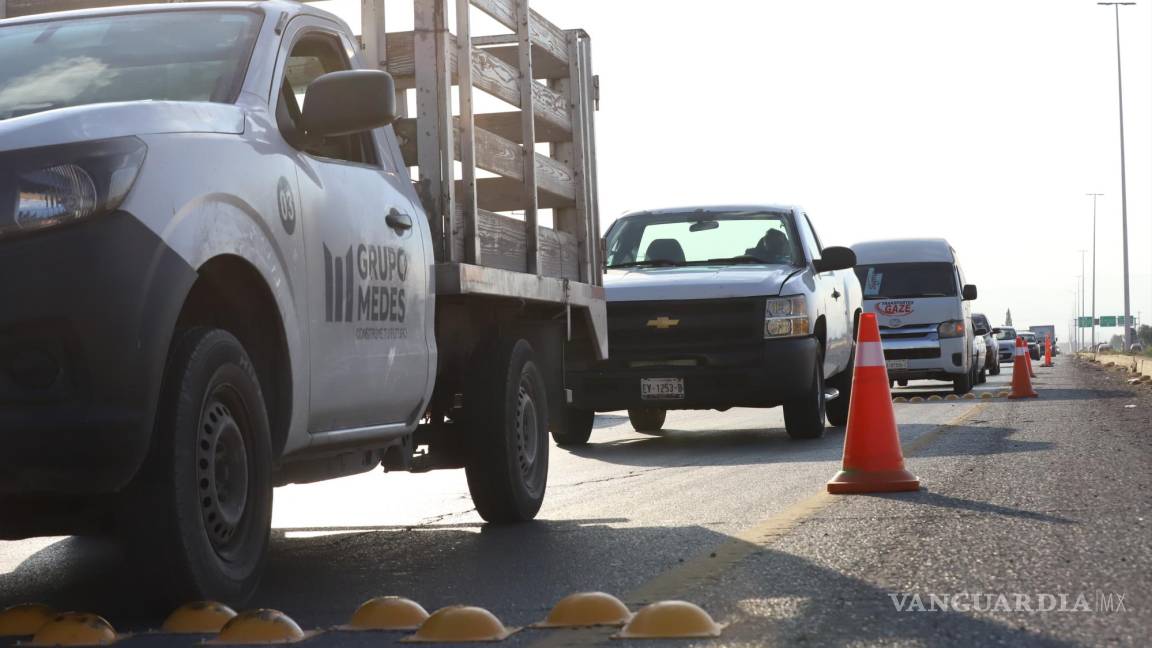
[(906, 280), (702, 238), (169, 55)]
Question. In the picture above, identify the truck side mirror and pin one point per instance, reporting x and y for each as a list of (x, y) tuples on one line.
[(969, 292), (349, 101), (835, 258)]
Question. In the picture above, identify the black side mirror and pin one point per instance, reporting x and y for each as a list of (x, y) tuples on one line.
[(969, 292), (351, 101), (980, 330), (835, 258)]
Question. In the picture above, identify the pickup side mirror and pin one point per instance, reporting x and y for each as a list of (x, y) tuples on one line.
[(969, 292), (835, 258), (350, 101), (980, 330)]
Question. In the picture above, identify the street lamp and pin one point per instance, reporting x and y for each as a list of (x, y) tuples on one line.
[(1080, 331), (1094, 197), (1123, 177)]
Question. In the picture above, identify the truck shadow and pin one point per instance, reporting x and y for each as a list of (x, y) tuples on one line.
[(974, 506)]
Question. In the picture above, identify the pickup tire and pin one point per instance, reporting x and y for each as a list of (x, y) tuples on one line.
[(196, 519), (837, 409), (804, 416), (573, 427), (962, 384), (507, 465), (647, 420)]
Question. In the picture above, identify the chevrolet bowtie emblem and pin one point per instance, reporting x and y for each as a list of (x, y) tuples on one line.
[(663, 322)]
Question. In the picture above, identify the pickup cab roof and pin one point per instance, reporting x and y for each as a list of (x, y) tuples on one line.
[(904, 251), (35, 10), (774, 208)]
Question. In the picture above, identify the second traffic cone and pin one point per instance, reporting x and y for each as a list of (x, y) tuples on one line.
[(1047, 350), (1021, 380), (873, 462), (1028, 361)]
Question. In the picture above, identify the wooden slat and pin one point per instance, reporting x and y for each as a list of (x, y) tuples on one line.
[(434, 140), (507, 125), (373, 34), (544, 34), (503, 245), (464, 131), (543, 66), (528, 132), (501, 156), (507, 194)]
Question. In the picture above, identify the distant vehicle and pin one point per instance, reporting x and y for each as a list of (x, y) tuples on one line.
[(1104, 347), (1137, 348), (982, 328), (917, 290), (979, 359), (1033, 343), (1041, 331), (1006, 339)]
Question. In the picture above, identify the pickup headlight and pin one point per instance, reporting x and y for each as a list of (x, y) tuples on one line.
[(54, 185), (951, 329), (786, 317)]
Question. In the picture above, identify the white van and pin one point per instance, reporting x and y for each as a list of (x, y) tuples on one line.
[(920, 297)]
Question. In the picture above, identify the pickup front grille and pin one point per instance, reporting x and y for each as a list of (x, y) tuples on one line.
[(911, 354), (682, 327)]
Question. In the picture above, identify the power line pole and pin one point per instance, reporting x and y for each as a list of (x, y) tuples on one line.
[(1123, 176), (1094, 197)]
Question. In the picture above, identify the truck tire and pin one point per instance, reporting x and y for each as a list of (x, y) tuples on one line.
[(995, 370), (507, 465), (962, 384), (197, 517), (573, 427), (647, 420), (837, 410), (804, 416)]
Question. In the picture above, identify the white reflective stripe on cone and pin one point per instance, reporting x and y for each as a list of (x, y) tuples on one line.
[(1020, 351), (869, 354)]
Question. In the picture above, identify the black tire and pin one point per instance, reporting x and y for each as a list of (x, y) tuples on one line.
[(995, 370), (647, 420), (804, 416), (573, 427), (962, 384), (507, 465), (982, 377), (196, 519), (837, 410)]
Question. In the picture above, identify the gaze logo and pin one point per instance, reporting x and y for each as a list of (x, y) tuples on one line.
[(366, 284)]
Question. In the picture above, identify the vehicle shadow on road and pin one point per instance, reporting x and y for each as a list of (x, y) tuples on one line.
[(957, 504), (1080, 394), (982, 441)]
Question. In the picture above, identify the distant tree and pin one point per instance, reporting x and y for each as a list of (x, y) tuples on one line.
[(1008, 318), (1117, 342), (1144, 334)]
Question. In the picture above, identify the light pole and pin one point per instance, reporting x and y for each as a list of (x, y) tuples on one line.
[(1081, 334), (1123, 177), (1094, 197)]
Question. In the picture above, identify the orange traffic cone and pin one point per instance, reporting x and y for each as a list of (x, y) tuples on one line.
[(873, 462), (1047, 350), (1028, 361), (1021, 381)]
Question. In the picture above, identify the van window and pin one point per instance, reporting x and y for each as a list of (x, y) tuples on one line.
[(906, 280)]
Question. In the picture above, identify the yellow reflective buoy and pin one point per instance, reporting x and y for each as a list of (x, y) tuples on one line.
[(969, 396), (24, 620), (260, 627), (916, 399), (460, 623), (899, 399), (987, 395), (951, 397), (201, 617), (670, 620), (388, 613), (935, 397), (74, 629), (586, 609)]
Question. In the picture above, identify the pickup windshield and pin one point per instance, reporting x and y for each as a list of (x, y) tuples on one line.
[(189, 55), (1006, 334), (701, 238), (907, 280)]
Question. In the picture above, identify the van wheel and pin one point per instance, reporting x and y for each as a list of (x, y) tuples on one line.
[(573, 427), (196, 520), (647, 420), (837, 410), (804, 416), (507, 465)]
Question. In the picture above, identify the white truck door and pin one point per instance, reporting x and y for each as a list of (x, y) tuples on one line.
[(832, 291), (367, 270)]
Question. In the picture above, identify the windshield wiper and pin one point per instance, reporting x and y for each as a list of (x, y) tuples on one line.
[(743, 258), (662, 263)]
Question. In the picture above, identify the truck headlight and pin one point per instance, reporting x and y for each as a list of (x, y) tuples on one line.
[(61, 184), (786, 317), (951, 329)]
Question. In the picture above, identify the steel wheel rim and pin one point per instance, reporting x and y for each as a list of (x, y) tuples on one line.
[(223, 477), (527, 432)]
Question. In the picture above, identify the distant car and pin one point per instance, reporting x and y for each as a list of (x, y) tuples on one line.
[(1006, 339), (1136, 348), (982, 328), (1104, 347), (1033, 343)]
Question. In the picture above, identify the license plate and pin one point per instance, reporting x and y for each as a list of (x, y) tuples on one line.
[(897, 364), (662, 388)]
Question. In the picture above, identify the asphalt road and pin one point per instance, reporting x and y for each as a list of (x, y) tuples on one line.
[(1023, 499)]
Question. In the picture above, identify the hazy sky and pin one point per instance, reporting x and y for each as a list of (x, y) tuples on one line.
[(981, 122)]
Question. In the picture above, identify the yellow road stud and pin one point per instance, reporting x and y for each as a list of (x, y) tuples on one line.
[(899, 399), (916, 399), (1003, 394), (969, 396), (987, 395), (586, 609), (74, 629), (260, 627), (458, 624), (670, 620), (935, 397), (951, 397), (201, 617), (388, 613), (24, 620)]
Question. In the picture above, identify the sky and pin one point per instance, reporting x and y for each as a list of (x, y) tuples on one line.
[(981, 122)]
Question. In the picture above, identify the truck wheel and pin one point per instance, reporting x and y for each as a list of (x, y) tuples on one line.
[(995, 370), (962, 384), (573, 427), (804, 416), (197, 518), (837, 410), (507, 465), (647, 420)]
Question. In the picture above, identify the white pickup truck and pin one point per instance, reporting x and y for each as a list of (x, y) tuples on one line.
[(725, 306), (219, 276)]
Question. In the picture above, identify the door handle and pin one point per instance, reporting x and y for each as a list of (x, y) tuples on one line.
[(835, 294), (398, 220)]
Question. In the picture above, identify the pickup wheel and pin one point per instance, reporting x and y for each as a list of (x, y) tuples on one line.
[(804, 416), (963, 384), (837, 410), (573, 427), (197, 518), (507, 465), (647, 420)]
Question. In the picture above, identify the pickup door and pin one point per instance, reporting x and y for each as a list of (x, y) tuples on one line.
[(833, 297), (367, 266)]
